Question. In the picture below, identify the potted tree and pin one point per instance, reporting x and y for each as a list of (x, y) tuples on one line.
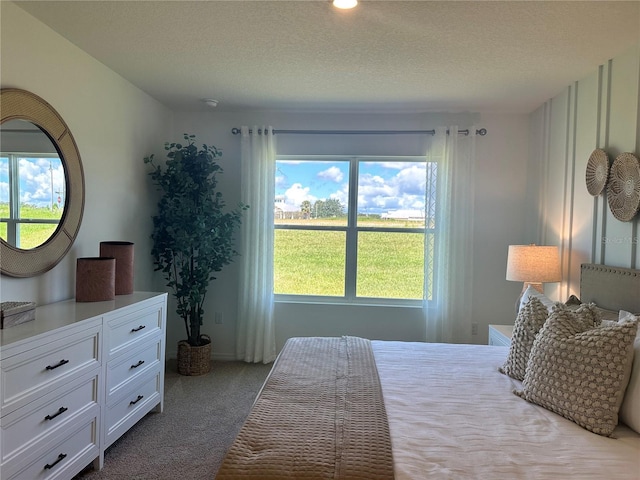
[(193, 238)]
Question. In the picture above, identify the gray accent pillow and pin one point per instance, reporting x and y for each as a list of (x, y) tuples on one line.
[(579, 371), (529, 321)]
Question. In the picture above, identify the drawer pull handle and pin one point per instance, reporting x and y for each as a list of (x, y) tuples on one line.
[(140, 362), (60, 411), (134, 330), (133, 402), (61, 457), (59, 364)]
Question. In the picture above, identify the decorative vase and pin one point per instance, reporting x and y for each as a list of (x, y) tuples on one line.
[(123, 253), (192, 360), (95, 279)]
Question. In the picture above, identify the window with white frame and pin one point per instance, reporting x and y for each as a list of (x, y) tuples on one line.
[(354, 229), (32, 198)]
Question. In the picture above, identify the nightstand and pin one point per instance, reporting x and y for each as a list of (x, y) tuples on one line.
[(500, 335)]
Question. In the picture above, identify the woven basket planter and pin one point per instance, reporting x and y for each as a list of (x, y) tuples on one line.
[(192, 360)]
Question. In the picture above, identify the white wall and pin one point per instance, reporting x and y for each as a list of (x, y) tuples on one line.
[(114, 124), (499, 221), (599, 111)]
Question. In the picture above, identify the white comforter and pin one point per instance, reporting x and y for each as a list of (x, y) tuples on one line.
[(452, 415)]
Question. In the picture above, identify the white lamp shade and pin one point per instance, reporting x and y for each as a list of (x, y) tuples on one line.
[(533, 264)]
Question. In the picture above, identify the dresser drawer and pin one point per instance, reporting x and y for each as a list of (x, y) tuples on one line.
[(124, 331), (25, 428), (127, 368), (33, 373), (131, 407), (66, 458)]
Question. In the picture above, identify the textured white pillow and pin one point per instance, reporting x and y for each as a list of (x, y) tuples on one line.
[(529, 321), (630, 409), (532, 292), (579, 371)]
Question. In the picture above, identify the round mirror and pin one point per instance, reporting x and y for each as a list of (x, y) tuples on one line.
[(41, 185)]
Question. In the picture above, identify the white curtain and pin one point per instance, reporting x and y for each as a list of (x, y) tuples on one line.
[(448, 313), (256, 333)]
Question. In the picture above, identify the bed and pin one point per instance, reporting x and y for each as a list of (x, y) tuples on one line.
[(349, 408)]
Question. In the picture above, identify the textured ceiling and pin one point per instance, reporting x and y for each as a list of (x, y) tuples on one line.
[(396, 56)]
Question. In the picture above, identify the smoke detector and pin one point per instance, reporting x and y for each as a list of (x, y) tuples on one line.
[(210, 102)]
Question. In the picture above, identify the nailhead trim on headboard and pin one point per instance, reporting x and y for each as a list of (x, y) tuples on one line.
[(612, 288)]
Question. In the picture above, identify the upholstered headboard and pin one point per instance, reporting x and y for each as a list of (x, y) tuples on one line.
[(612, 288)]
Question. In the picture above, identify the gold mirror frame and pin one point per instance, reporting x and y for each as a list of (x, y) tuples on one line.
[(23, 105)]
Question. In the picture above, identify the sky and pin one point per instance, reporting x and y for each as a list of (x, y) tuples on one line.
[(383, 187), (36, 178)]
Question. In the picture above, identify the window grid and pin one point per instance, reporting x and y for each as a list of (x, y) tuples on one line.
[(14, 218), (352, 231)]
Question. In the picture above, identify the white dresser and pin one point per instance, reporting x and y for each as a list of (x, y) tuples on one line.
[(75, 379), (500, 335)]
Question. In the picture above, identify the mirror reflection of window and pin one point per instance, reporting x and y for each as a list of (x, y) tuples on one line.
[(32, 186)]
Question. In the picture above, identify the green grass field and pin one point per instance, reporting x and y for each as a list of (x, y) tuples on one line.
[(31, 235), (390, 265)]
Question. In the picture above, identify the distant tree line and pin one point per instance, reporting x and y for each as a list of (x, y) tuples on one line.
[(322, 209)]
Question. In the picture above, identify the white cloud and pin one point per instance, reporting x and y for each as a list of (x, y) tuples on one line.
[(38, 176), (404, 190), (342, 195), (398, 186), (281, 181), (333, 174), (296, 194), (4, 192)]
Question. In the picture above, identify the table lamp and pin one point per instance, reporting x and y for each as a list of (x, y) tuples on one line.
[(533, 265)]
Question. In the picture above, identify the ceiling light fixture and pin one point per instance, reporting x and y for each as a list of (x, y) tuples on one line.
[(345, 4), (210, 102)]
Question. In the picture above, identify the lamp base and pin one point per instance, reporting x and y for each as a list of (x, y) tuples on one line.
[(525, 285)]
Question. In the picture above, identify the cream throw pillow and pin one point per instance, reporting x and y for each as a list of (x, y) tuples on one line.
[(577, 371), (630, 408), (529, 321)]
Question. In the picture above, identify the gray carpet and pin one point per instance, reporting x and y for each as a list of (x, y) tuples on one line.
[(201, 417)]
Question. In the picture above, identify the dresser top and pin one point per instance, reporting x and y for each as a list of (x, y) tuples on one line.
[(68, 312), (506, 330)]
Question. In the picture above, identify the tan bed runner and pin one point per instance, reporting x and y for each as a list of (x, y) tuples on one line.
[(320, 415)]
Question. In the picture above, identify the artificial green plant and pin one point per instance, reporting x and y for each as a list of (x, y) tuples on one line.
[(193, 232)]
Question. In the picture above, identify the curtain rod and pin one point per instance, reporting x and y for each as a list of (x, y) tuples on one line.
[(482, 132)]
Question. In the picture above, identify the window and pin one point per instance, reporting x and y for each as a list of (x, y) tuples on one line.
[(32, 195), (353, 228)]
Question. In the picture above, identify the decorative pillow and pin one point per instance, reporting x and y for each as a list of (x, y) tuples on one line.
[(630, 408), (532, 292), (529, 321), (578, 372), (607, 315)]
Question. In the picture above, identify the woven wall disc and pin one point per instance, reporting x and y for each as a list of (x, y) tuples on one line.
[(624, 187), (597, 172)]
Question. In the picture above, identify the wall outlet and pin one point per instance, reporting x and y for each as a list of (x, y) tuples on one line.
[(474, 329), (217, 318)]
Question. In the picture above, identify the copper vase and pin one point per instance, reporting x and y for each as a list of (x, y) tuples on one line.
[(95, 279), (123, 254)]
